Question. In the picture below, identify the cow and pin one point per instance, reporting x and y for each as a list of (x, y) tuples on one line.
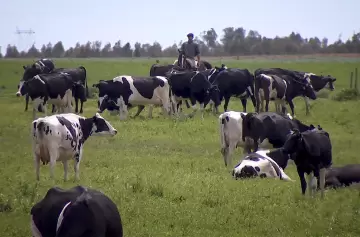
[(61, 137), (313, 155), (261, 163), (318, 82), (282, 89), (128, 91), (231, 130), (44, 65), (234, 82), (78, 211), (342, 176), (78, 75), (55, 88), (268, 130), (194, 86)]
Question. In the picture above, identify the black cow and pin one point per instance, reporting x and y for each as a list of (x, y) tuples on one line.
[(148, 90), (336, 177), (283, 89), (183, 63), (268, 130), (78, 211), (313, 155), (194, 86), (55, 88), (77, 74), (318, 82), (235, 82)]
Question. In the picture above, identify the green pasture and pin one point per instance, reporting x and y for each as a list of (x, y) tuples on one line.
[(168, 177)]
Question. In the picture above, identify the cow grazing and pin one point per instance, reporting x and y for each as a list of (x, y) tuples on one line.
[(268, 130), (318, 83), (194, 86), (129, 91), (61, 138), (235, 82), (78, 211), (313, 155), (262, 164), (343, 176), (281, 89), (54, 88)]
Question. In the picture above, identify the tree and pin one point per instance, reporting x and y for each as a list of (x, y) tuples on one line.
[(12, 52), (58, 50), (137, 49)]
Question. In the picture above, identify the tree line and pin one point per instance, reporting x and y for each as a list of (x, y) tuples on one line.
[(234, 42)]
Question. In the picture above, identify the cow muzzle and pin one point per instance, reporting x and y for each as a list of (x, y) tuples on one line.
[(18, 94)]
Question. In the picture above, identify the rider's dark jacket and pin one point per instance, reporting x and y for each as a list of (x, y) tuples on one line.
[(190, 48)]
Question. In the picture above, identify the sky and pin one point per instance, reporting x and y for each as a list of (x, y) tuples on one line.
[(169, 21)]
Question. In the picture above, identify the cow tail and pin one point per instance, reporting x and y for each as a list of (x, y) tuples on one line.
[(40, 129), (222, 121), (86, 83)]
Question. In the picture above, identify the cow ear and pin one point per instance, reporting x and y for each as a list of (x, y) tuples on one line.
[(319, 127), (333, 79), (24, 67), (311, 148), (242, 115), (311, 127)]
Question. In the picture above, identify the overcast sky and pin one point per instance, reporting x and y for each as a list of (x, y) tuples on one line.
[(169, 21)]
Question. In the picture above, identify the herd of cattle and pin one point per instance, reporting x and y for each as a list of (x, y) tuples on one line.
[(61, 137)]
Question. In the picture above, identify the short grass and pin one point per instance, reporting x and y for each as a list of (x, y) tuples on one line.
[(168, 178)]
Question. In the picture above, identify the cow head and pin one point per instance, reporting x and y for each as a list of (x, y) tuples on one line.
[(33, 83), (214, 95), (293, 142), (330, 82), (77, 218), (101, 127), (108, 103), (252, 128)]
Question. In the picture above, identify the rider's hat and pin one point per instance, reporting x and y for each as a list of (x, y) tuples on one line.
[(190, 35)]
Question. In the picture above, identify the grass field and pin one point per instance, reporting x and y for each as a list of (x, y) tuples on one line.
[(168, 178)]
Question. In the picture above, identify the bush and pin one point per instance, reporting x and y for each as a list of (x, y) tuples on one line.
[(347, 94)]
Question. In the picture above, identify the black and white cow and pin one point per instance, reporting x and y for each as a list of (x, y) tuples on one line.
[(318, 82), (78, 211), (194, 86), (55, 88), (127, 91), (313, 155), (78, 75), (61, 138), (281, 89), (234, 82), (44, 65), (268, 130), (263, 164), (342, 176)]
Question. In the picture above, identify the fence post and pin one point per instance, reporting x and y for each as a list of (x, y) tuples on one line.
[(351, 79), (356, 79)]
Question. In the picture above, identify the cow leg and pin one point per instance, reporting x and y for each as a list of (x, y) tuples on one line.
[(227, 99), (123, 111), (307, 105), (228, 153), (291, 104), (81, 106), (310, 184), (140, 109), (244, 102), (36, 104), (187, 104), (302, 180), (54, 155), (150, 111), (26, 102), (322, 181), (37, 165), (53, 109), (65, 164), (76, 105)]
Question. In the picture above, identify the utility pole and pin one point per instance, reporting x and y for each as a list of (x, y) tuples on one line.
[(28, 32)]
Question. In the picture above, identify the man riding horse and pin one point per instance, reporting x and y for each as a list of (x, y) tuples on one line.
[(189, 50)]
